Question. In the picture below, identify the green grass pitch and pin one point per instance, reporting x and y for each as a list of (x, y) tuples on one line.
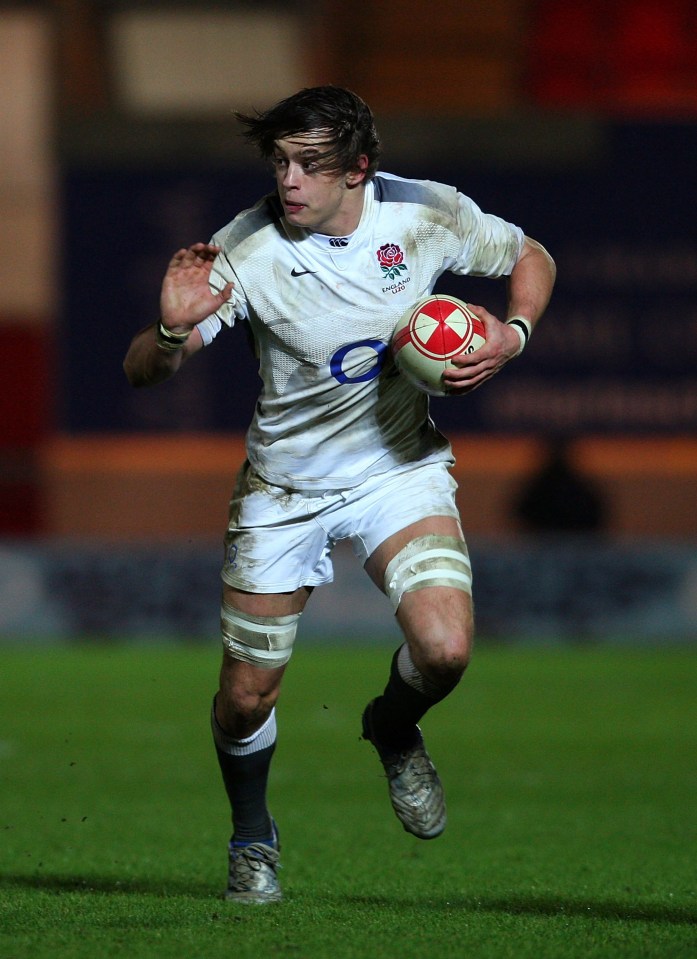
[(570, 774)]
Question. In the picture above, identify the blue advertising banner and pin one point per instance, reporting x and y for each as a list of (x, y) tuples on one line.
[(615, 353), (566, 589)]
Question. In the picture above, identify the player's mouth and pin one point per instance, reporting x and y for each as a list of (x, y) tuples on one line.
[(293, 208)]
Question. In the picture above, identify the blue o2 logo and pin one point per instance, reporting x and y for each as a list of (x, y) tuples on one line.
[(336, 363)]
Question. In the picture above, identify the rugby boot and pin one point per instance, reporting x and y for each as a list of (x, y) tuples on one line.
[(415, 790), (252, 871)]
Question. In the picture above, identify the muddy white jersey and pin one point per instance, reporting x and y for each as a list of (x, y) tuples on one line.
[(333, 409)]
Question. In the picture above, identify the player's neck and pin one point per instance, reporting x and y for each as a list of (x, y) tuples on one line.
[(348, 216)]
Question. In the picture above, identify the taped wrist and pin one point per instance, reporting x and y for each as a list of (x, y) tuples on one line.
[(523, 328), (169, 341)]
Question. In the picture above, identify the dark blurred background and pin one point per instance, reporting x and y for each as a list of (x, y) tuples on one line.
[(577, 466)]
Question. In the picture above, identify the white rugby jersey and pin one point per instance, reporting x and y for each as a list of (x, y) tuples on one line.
[(333, 409)]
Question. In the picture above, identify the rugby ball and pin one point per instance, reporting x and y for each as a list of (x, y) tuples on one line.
[(427, 337)]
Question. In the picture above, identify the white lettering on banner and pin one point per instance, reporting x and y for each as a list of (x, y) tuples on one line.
[(599, 334), (593, 404), (608, 334), (667, 267), (668, 337)]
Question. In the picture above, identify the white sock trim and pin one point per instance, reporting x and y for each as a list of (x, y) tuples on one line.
[(263, 737), (412, 677)]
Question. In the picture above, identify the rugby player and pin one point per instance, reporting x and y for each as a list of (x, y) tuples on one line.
[(341, 446)]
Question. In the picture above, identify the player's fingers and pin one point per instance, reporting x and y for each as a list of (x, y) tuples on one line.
[(472, 367), (226, 292), (178, 257), (469, 360), (205, 252), (466, 381), (197, 254)]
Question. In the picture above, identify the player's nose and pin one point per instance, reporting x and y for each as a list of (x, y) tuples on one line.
[(291, 176)]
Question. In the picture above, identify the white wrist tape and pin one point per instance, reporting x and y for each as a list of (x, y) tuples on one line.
[(169, 341), (523, 328)]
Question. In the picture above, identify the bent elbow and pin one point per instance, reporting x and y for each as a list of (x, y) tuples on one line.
[(135, 377)]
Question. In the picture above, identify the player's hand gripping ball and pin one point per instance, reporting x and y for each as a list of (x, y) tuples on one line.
[(428, 336)]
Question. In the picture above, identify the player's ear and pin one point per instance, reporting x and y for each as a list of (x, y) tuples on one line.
[(356, 176)]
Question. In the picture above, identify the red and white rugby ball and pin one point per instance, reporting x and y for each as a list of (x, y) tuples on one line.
[(427, 337)]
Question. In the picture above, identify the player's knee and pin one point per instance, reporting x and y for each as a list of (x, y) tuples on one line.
[(445, 663), (245, 699), (241, 711), (254, 650), (427, 561), (445, 647)]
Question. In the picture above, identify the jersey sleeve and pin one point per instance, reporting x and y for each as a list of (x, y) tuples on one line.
[(235, 309), (490, 246)]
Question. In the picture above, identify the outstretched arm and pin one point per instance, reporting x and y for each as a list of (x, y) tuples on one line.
[(529, 290), (158, 351)]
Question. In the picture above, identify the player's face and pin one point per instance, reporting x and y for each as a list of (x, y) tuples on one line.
[(319, 201)]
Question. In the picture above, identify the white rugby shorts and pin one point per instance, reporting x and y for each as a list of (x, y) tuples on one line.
[(279, 540)]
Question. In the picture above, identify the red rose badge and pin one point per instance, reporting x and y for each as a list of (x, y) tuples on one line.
[(391, 260)]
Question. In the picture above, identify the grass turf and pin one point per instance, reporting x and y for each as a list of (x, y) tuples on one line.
[(569, 773)]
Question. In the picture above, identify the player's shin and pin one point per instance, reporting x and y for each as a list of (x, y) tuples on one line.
[(244, 764), (407, 697)]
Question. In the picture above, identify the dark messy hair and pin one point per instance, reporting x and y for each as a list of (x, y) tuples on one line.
[(346, 119)]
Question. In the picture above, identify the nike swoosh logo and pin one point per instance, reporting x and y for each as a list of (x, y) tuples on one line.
[(295, 272)]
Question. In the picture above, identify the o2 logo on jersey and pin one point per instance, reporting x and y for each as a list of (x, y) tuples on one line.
[(379, 351)]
